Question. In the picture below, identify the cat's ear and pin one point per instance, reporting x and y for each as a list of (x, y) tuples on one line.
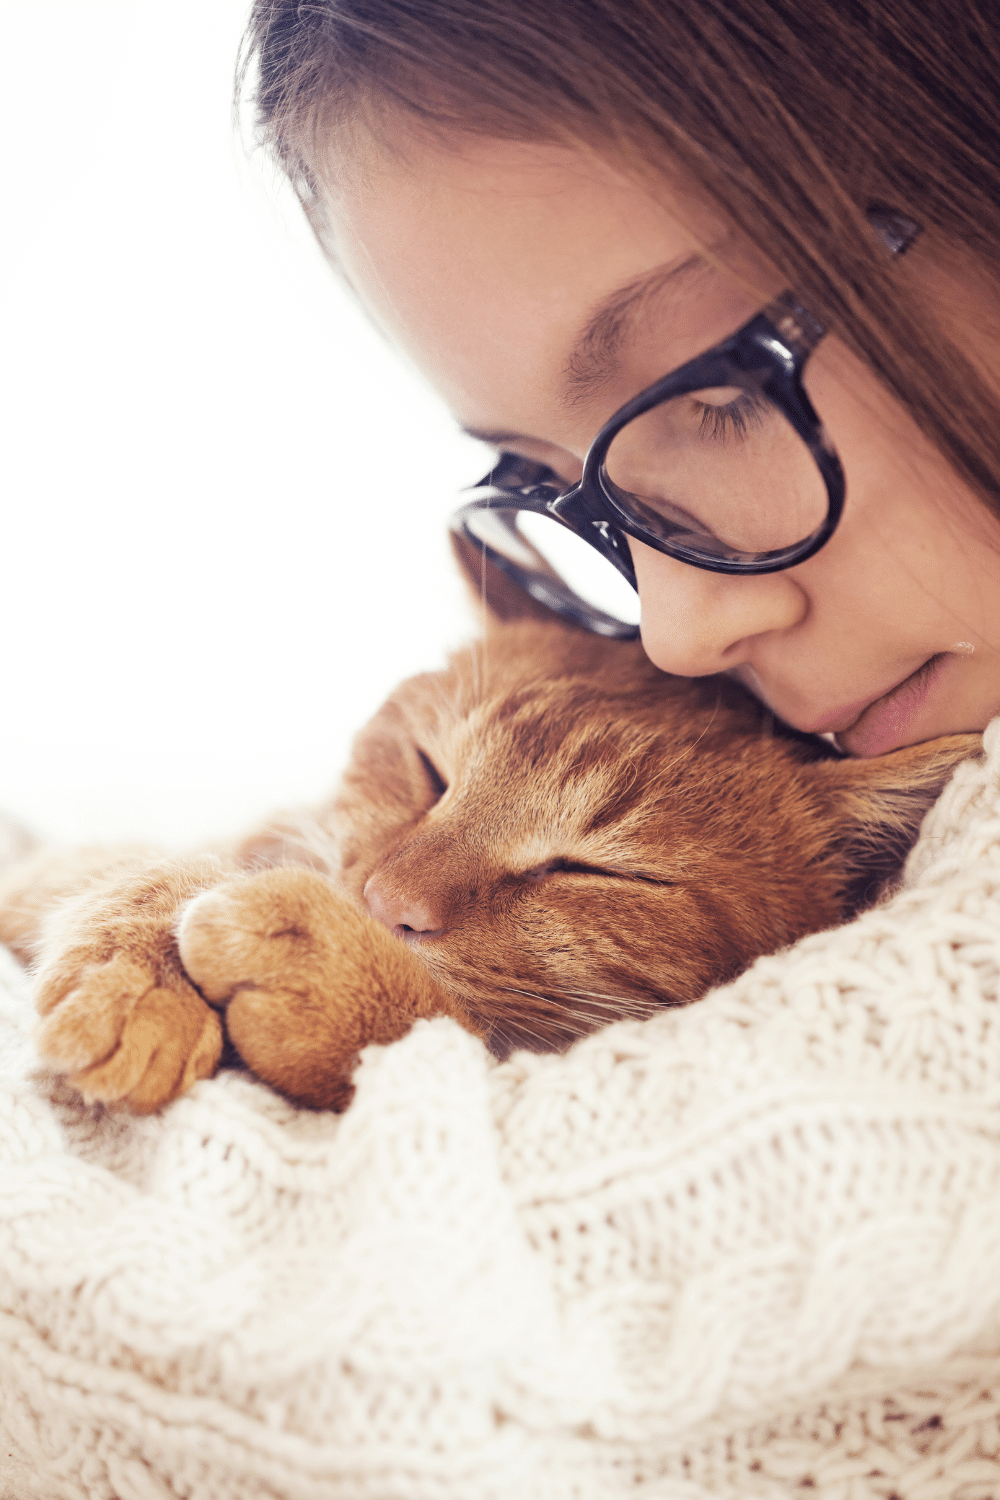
[(492, 589), (880, 803)]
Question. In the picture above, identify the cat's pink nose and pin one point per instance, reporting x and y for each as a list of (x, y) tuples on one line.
[(404, 914)]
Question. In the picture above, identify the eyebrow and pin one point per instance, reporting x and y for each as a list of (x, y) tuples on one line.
[(591, 363)]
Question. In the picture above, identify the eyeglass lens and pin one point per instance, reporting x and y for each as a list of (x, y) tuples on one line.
[(575, 561), (719, 472)]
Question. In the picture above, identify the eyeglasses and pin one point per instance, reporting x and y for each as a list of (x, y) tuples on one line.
[(722, 464)]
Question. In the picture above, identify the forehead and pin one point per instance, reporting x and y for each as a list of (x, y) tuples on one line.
[(484, 261)]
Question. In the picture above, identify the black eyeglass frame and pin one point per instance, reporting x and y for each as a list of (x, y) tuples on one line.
[(766, 355)]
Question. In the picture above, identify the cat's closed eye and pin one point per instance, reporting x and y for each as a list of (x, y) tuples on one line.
[(436, 781), (578, 867)]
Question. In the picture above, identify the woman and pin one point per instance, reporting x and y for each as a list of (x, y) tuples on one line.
[(750, 1246), (552, 208)]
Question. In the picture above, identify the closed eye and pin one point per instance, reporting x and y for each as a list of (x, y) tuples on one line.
[(438, 785), (731, 418), (577, 867), (522, 475)]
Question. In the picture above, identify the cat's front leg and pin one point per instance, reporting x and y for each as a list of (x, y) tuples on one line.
[(306, 979), (119, 1017)]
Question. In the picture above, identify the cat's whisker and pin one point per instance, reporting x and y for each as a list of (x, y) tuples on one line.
[(479, 658), (292, 841), (544, 1008), (564, 1022), (627, 1009), (603, 998), (517, 1033), (509, 989), (448, 696), (624, 1012), (664, 773)]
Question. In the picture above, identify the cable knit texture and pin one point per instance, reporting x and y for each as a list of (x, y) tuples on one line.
[(750, 1248)]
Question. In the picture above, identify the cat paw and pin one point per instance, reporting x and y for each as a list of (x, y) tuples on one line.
[(264, 947), (123, 1033), (118, 1016), (259, 931), (306, 979)]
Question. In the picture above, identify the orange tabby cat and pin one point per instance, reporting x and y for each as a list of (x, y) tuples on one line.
[(545, 836)]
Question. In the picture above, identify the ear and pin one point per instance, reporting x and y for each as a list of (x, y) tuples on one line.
[(879, 805), (492, 589)]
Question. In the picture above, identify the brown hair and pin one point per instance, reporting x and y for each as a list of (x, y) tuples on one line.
[(794, 116)]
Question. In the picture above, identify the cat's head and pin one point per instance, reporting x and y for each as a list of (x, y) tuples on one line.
[(567, 835)]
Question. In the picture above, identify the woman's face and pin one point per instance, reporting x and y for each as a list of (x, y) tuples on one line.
[(538, 290)]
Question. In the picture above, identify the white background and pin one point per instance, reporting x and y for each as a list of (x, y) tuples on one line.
[(224, 498)]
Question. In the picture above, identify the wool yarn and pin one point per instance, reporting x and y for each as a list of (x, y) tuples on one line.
[(749, 1248)]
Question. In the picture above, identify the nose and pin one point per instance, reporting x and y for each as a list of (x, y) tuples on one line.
[(406, 913), (695, 622)]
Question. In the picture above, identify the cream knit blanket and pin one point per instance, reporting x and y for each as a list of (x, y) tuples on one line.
[(748, 1248)]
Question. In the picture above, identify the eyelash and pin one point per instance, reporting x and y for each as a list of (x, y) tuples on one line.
[(734, 419), (718, 422)]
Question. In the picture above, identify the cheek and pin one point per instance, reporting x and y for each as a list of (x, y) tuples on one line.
[(897, 481), (906, 552)]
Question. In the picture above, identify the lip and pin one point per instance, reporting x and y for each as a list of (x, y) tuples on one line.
[(848, 715), (878, 725), (885, 723)]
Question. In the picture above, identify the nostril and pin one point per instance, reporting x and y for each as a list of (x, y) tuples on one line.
[(406, 917), (415, 934)]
